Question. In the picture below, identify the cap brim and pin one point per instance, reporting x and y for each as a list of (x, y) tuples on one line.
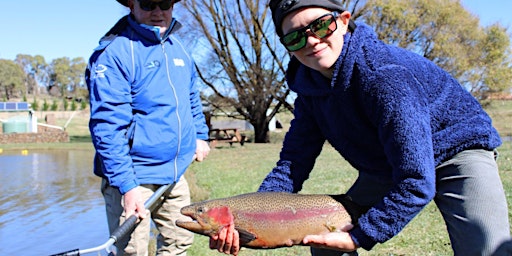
[(123, 2)]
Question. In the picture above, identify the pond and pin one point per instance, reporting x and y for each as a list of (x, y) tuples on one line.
[(49, 202)]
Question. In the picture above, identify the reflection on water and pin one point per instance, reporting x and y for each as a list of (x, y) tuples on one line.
[(49, 202)]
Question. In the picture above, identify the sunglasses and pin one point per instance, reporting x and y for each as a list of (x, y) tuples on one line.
[(321, 28), (148, 5)]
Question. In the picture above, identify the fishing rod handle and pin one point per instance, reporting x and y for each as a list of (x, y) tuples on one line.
[(125, 228), (68, 253), (129, 224)]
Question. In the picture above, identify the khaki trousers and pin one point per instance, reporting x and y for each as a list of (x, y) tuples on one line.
[(171, 240)]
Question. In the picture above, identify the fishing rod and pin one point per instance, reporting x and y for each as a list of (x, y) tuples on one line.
[(125, 228)]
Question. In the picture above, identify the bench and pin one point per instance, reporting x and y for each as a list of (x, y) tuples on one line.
[(229, 135)]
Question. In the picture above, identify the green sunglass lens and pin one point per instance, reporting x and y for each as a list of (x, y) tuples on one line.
[(294, 40), (321, 28)]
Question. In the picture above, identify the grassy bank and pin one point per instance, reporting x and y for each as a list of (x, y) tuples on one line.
[(240, 169)]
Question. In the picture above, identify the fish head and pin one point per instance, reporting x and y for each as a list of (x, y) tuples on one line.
[(206, 219)]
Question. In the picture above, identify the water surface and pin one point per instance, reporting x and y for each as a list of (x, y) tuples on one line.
[(49, 202)]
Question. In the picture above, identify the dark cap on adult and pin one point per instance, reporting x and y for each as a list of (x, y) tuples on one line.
[(281, 8), (125, 2)]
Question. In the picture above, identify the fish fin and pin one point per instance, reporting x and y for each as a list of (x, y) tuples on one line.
[(245, 236), (331, 228)]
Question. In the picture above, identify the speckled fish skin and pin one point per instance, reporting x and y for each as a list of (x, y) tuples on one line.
[(272, 219)]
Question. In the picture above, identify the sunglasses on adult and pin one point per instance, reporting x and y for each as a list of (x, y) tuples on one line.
[(321, 28), (148, 5)]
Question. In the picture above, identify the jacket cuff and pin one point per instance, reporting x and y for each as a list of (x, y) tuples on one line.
[(202, 136), (125, 187), (278, 179), (361, 239)]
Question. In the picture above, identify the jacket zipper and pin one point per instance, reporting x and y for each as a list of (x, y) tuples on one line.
[(177, 111)]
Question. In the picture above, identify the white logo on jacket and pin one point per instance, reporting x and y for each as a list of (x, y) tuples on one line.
[(179, 62), (100, 70), (153, 64)]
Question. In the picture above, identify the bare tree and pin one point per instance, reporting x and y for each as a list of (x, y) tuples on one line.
[(241, 61)]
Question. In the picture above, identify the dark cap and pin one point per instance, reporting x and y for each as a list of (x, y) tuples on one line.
[(281, 8), (125, 2)]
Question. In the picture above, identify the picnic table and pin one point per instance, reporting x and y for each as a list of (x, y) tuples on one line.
[(229, 135)]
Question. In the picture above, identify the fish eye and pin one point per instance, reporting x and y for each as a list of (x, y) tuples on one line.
[(200, 210)]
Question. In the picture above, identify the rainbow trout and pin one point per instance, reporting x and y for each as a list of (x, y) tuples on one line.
[(272, 219)]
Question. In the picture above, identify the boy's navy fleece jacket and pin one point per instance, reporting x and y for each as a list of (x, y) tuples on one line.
[(390, 113)]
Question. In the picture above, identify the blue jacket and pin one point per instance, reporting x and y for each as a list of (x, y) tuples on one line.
[(146, 113), (390, 113)]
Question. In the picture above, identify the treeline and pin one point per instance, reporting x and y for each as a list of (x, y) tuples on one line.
[(242, 67), (31, 77)]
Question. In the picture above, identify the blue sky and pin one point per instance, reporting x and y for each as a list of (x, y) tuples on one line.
[(60, 28)]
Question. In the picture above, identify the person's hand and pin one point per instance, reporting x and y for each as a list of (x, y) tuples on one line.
[(226, 241), (134, 204), (202, 150), (338, 240)]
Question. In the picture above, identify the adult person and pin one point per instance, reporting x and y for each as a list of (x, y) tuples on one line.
[(146, 123), (409, 128)]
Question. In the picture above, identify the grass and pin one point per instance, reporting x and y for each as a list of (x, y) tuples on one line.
[(239, 169), (501, 113)]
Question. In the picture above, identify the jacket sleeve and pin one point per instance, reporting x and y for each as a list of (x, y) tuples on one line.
[(197, 108), (302, 145), (111, 115), (396, 102)]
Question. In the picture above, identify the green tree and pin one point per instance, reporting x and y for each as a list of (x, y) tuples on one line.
[(66, 75), (46, 106), (35, 104), (36, 72), (444, 32), (83, 104), (73, 105), (65, 104), (54, 106), (11, 79), (492, 69)]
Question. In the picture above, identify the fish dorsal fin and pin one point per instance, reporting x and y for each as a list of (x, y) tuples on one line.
[(245, 236)]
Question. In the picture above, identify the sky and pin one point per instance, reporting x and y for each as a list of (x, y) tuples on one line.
[(72, 28)]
